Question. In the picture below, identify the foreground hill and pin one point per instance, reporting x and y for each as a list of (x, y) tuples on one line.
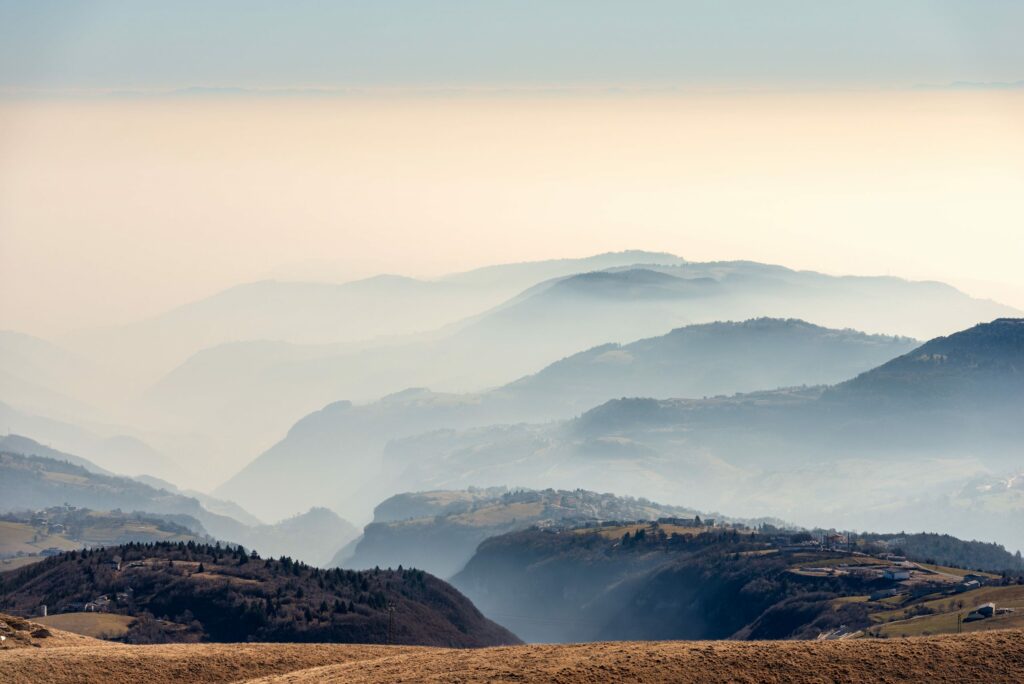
[(693, 361), (20, 633), (211, 593), (993, 657), (439, 531)]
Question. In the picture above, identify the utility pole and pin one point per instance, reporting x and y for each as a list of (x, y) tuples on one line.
[(959, 623), (391, 622)]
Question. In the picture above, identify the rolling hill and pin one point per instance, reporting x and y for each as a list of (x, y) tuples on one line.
[(227, 595)]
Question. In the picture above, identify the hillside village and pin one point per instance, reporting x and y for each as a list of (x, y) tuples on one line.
[(29, 536)]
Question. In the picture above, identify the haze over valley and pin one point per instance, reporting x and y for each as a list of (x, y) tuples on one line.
[(535, 342)]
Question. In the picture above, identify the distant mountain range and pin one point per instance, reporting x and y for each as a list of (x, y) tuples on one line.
[(277, 382), (318, 313), (196, 392), (908, 429), (116, 451), (709, 359)]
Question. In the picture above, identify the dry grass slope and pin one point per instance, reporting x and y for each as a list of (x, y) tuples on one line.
[(996, 657), (98, 625), (174, 663), (991, 657), (22, 634)]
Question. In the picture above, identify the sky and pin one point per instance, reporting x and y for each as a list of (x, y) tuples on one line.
[(334, 140), (147, 44)]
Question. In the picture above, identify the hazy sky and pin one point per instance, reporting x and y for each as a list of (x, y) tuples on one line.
[(789, 132), (146, 44)]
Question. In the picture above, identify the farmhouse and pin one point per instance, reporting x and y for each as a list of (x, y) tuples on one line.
[(834, 540), (982, 612), (896, 574)]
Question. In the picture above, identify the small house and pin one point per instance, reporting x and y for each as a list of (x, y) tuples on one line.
[(982, 612), (967, 586)]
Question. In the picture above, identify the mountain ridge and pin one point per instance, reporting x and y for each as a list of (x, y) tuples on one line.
[(708, 358)]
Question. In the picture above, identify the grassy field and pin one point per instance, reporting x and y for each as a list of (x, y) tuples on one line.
[(499, 513), (902, 622), (101, 529), (1003, 597), (108, 530), (959, 572), (852, 561), (618, 531), (21, 537), (946, 623), (98, 625), (19, 562), (850, 599), (995, 657)]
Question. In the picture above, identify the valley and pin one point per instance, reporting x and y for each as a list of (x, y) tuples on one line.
[(715, 484), (523, 342)]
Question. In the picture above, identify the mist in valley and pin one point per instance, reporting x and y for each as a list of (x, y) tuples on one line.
[(599, 358)]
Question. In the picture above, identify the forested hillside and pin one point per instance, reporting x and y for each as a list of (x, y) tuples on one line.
[(214, 593)]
